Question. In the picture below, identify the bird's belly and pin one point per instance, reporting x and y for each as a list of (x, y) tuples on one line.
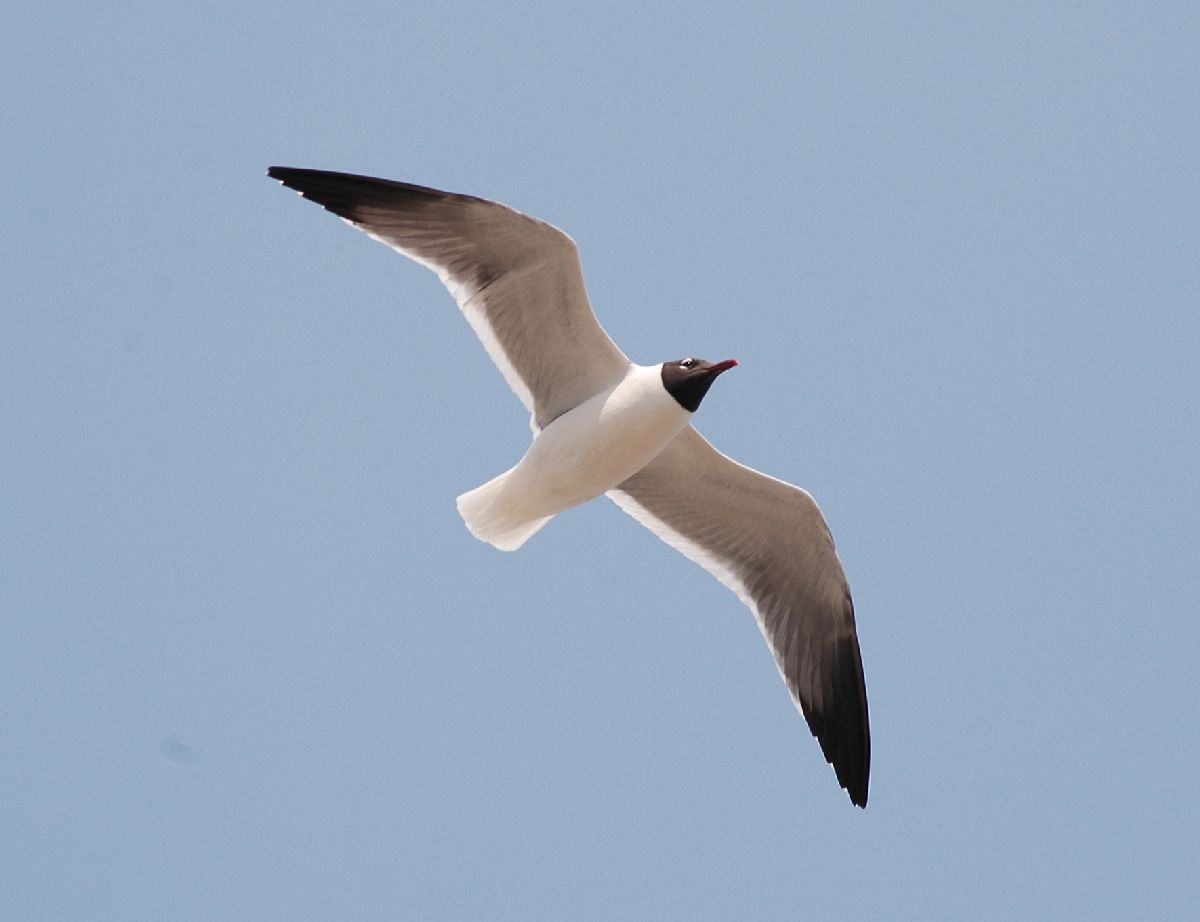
[(592, 448)]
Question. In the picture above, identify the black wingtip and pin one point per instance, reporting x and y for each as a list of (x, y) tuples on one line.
[(296, 177), (839, 717), (346, 194), (286, 174), (855, 785), (850, 756), (300, 180)]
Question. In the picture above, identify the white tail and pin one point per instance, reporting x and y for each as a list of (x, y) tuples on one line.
[(494, 518)]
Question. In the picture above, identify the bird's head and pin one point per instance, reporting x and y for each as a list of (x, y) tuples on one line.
[(688, 380)]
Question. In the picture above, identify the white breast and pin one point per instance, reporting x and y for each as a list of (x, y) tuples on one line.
[(599, 444)]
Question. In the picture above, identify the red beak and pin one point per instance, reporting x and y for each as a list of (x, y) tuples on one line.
[(719, 367)]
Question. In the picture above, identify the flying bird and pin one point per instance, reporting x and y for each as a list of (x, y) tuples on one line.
[(605, 425)]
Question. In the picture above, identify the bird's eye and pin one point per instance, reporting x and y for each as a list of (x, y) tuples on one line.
[(687, 363)]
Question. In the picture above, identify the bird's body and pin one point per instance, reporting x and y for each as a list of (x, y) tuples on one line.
[(587, 451), (603, 424)]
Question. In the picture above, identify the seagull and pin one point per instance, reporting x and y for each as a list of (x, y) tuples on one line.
[(605, 425)]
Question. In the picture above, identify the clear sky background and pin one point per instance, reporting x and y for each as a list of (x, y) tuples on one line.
[(252, 666)]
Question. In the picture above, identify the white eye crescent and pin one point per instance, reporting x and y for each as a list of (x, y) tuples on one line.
[(687, 363)]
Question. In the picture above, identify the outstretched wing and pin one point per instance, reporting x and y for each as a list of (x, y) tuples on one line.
[(767, 541), (517, 280)]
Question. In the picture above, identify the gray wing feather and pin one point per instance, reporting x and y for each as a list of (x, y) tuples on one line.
[(517, 280), (767, 541)]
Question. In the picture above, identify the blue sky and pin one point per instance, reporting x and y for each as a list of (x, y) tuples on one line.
[(252, 665)]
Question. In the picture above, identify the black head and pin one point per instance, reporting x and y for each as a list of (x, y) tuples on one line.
[(688, 380)]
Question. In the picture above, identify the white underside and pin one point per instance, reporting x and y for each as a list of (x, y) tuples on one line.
[(582, 454)]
